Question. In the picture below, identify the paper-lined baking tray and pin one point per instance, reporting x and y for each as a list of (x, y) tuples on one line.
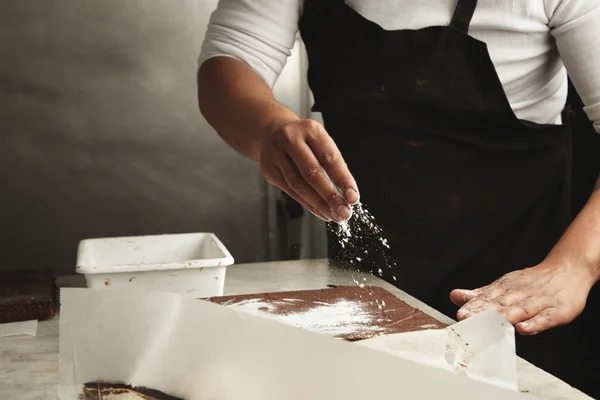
[(196, 350)]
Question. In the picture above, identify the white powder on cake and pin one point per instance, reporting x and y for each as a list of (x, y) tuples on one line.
[(123, 396), (256, 306), (336, 319)]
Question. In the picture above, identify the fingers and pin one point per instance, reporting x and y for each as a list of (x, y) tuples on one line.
[(280, 182), (534, 299), (475, 301), (476, 306), (544, 320), (315, 176), (330, 158), (486, 299), (300, 187), (525, 309), (515, 306), (302, 159), (529, 314), (459, 297)]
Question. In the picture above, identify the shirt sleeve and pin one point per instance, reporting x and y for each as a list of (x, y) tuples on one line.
[(575, 26), (260, 33)]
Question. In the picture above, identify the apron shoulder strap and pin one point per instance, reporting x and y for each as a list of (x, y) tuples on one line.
[(463, 13)]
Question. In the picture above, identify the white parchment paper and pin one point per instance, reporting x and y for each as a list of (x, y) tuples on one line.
[(481, 348), (197, 350), (26, 328)]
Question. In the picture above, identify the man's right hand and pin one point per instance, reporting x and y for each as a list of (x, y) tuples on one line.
[(302, 160)]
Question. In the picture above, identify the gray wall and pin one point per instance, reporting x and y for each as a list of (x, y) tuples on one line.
[(100, 133)]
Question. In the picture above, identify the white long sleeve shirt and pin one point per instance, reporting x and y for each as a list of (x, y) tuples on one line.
[(532, 43)]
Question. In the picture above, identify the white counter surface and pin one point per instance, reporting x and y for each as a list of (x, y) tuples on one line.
[(29, 365)]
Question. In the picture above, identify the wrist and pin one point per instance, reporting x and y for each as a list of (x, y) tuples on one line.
[(579, 247), (280, 117), (589, 270)]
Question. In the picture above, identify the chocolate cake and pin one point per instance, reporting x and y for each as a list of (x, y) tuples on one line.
[(349, 313), (26, 295), (109, 391)]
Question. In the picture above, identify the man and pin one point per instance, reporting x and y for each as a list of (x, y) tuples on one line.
[(448, 116)]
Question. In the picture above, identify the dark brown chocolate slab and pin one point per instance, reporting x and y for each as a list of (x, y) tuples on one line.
[(26, 295), (388, 313), (100, 391)]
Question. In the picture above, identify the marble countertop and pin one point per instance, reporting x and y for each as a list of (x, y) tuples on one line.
[(29, 365)]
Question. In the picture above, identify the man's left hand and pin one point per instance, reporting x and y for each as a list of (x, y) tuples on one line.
[(533, 299)]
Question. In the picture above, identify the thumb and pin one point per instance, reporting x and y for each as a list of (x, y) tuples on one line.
[(460, 297)]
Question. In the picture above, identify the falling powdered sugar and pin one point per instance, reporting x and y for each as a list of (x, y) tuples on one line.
[(364, 220), (336, 319), (362, 240)]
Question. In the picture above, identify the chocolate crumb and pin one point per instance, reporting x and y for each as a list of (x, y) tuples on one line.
[(102, 391)]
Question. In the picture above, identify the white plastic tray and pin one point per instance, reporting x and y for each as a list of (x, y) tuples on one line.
[(191, 264)]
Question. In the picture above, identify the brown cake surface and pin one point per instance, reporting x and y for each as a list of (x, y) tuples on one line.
[(346, 312), (112, 391), (26, 295)]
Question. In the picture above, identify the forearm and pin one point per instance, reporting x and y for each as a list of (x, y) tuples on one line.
[(238, 104), (580, 245)]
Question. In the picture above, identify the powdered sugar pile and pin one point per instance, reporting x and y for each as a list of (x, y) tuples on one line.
[(336, 319)]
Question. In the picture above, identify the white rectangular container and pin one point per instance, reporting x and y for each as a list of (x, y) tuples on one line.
[(191, 264)]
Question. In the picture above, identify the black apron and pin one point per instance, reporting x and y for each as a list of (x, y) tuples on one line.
[(463, 190)]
